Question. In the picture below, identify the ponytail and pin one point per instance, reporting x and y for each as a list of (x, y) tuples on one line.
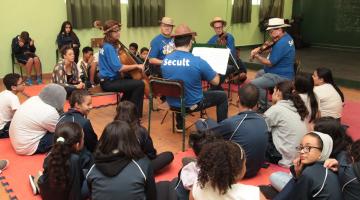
[(66, 136), (304, 84), (288, 93)]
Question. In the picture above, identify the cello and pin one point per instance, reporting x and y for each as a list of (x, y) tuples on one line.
[(126, 58)]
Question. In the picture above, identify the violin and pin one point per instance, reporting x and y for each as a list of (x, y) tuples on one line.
[(222, 40), (264, 47)]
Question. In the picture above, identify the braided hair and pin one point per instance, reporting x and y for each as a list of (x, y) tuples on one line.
[(66, 136)]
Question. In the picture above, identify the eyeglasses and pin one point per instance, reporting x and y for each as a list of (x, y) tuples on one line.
[(306, 149), (218, 27)]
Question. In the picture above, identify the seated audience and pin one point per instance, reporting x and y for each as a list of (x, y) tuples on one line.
[(80, 106), (133, 48), (121, 170), (65, 72), (33, 125), (309, 179), (67, 37), (9, 102), (126, 111), (304, 86), (348, 168), (23, 48), (332, 127), (248, 129), (87, 67), (189, 172), (222, 166), (285, 119), (63, 176), (143, 53), (330, 96)]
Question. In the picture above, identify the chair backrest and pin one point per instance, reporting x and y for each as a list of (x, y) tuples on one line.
[(166, 87)]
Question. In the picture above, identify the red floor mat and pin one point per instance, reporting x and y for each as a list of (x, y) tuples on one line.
[(97, 101)]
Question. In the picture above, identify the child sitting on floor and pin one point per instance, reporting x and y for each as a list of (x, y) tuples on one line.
[(63, 176), (9, 102), (80, 106), (126, 111), (222, 166)]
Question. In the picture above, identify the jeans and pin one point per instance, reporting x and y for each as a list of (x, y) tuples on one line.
[(133, 90), (279, 179), (211, 98), (264, 81), (45, 143)]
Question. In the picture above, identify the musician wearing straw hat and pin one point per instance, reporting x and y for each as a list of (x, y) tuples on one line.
[(162, 44), (236, 68), (279, 65), (182, 65)]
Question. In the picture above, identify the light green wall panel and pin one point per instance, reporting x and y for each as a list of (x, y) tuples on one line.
[(43, 18)]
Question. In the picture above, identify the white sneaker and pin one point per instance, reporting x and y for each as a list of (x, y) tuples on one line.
[(33, 185)]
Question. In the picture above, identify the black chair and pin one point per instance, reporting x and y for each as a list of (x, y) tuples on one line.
[(15, 62), (170, 88)]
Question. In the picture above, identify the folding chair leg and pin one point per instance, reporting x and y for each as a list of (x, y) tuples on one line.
[(183, 133), (173, 122), (163, 119)]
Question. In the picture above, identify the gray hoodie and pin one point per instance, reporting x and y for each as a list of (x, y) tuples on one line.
[(287, 129)]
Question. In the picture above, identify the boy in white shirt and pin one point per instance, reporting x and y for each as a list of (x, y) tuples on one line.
[(9, 102), (31, 130), (87, 67)]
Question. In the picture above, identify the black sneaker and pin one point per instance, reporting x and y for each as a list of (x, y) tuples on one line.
[(34, 185)]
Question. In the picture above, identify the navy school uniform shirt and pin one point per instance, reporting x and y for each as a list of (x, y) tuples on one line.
[(282, 58), (182, 65), (248, 129), (17, 50), (230, 43), (161, 46), (109, 62)]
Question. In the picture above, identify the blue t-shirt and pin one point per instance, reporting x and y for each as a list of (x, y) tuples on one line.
[(161, 46), (229, 44), (282, 58), (181, 65), (109, 62)]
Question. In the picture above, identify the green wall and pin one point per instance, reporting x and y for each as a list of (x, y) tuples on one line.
[(43, 18)]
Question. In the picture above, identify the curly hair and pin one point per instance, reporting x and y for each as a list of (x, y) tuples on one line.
[(198, 139), (355, 151), (221, 164), (108, 38), (288, 92), (58, 159)]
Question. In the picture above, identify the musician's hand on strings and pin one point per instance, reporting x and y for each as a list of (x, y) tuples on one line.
[(81, 85), (254, 52), (141, 66)]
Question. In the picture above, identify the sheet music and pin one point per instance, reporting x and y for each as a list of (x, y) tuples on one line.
[(216, 57)]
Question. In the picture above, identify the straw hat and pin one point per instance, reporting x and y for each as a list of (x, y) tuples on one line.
[(167, 21), (217, 19), (183, 30), (276, 23)]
